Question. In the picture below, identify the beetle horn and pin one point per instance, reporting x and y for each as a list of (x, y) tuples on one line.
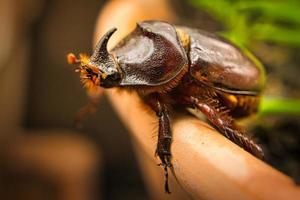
[(100, 52)]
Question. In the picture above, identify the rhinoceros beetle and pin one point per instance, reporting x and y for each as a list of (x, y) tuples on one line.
[(171, 65)]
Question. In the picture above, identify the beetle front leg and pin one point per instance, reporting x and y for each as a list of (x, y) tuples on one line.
[(164, 136), (164, 141), (94, 97)]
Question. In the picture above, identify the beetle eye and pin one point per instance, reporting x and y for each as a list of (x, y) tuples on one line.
[(88, 70)]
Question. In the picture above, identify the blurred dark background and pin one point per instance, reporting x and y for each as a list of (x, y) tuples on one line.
[(40, 95), (42, 152)]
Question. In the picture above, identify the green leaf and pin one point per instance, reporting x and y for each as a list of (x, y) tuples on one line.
[(242, 28), (273, 33), (276, 10), (272, 105), (221, 10)]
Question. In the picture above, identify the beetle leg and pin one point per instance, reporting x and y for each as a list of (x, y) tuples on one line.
[(164, 141), (91, 107), (226, 125), (164, 136)]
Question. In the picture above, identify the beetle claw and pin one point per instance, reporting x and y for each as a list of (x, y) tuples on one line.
[(166, 163), (165, 167)]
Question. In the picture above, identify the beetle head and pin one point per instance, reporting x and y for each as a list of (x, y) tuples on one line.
[(100, 69), (110, 75)]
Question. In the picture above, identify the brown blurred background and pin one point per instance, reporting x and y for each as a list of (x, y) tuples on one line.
[(40, 147)]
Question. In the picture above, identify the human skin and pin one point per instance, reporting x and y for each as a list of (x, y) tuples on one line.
[(206, 164)]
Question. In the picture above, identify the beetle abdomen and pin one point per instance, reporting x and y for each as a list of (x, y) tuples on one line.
[(151, 55), (219, 63)]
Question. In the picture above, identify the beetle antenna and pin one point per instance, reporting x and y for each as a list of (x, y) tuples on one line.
[(100, 52), (72, 59)]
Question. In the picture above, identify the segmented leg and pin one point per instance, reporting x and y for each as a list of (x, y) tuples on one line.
[(164, 136), (91, 107), (219, 117), (164, 141)]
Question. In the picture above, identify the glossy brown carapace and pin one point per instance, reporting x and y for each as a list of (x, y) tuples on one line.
[(171, 66)]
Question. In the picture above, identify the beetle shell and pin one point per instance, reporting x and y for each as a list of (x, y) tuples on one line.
[(151, 55), (217, 62)]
